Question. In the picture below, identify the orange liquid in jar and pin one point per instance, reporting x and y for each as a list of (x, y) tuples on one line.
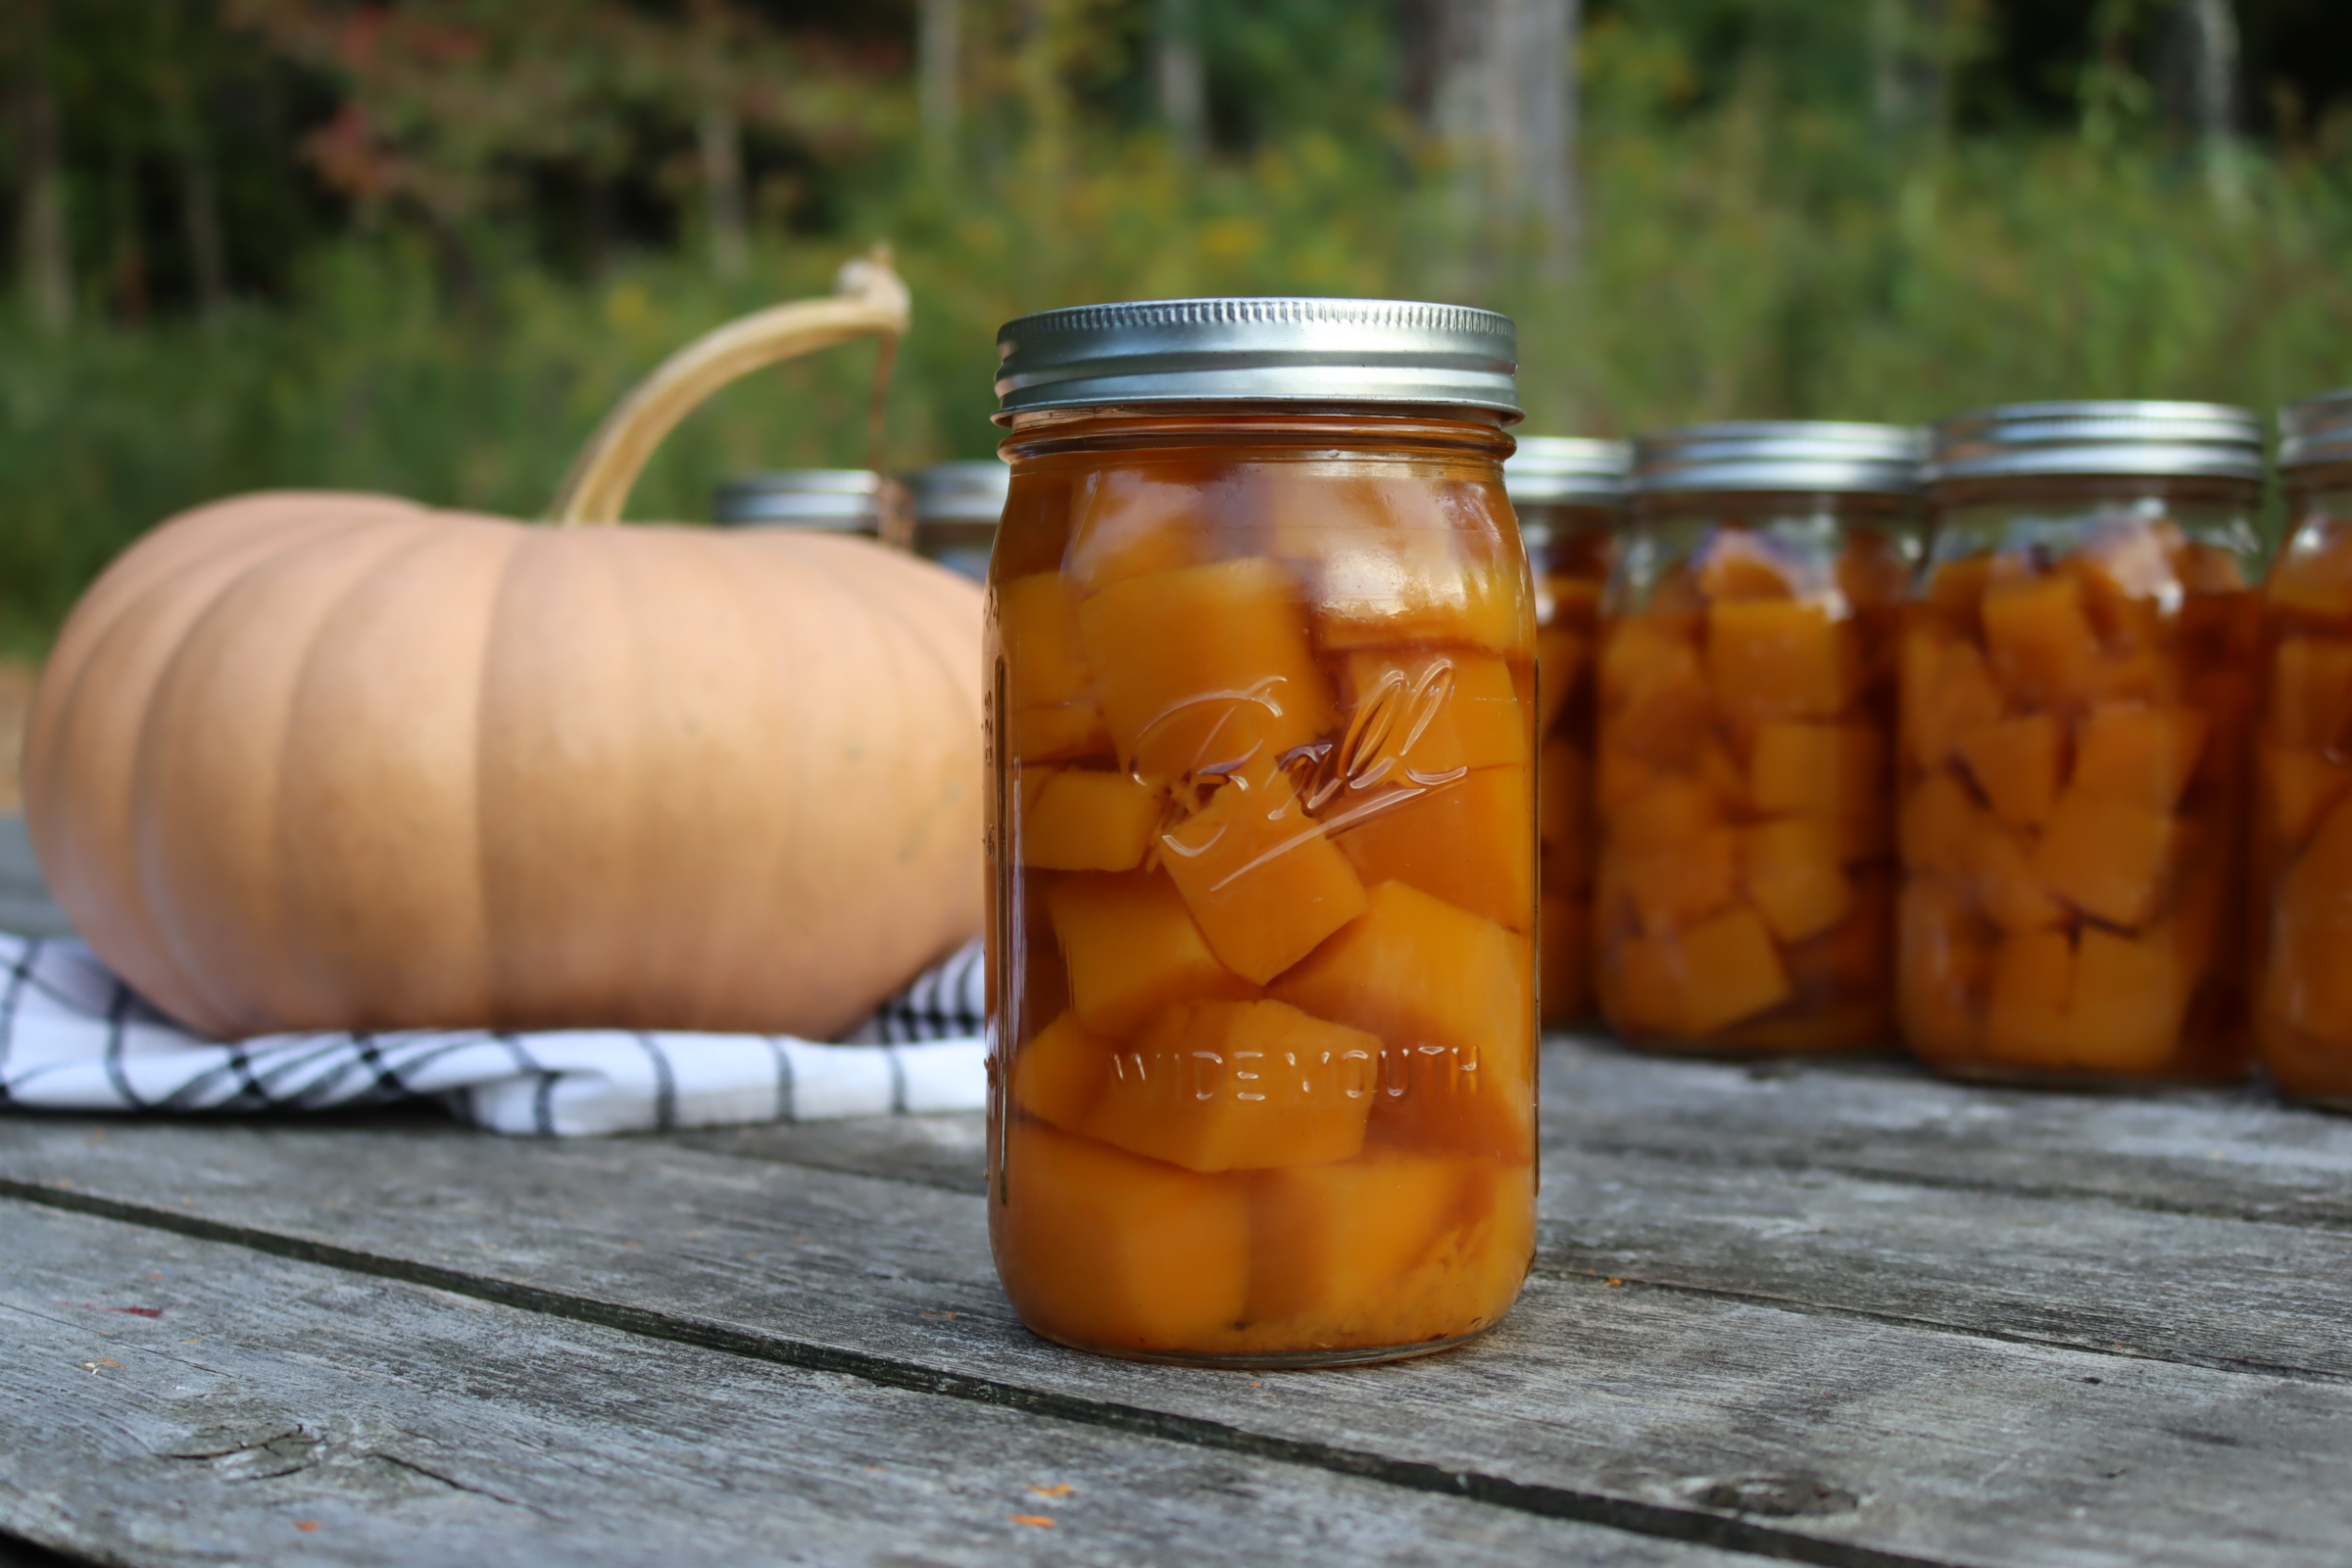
[(1265, 851), (2303, 811), (1745, 853), (1575, 570), (2073, 738)]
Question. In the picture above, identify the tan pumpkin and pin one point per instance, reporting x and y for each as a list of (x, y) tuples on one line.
[(308, 760)]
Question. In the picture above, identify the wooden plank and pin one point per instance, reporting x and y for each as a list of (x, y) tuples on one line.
[(1680, 1412), (2237, 1151), (950, 1152), (275, 1410), (2120, 1277)]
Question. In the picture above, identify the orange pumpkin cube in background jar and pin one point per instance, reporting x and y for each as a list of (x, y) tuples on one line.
[(2302, 985), (1745, 867), (1570, 498), (1263, 832), (2077, 691)]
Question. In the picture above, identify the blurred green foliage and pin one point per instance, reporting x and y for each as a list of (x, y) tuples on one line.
[(451, 319)]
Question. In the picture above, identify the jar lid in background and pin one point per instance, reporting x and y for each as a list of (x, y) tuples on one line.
[(2186, 440), (960, 492), (1351, 353), (1558, 471), (1791, 455), (2317, 430), (846, 499)]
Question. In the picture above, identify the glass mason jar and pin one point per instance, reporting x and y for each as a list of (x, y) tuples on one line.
[(2303, 763), (1262, 707), (839, 500), (1570, 498), (2078, 679), (1746, 871), (957, 508)]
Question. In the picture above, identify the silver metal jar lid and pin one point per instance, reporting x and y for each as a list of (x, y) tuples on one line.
[(1789, 455), (846, 499), (1559, 470), (1334, 352), (959, 492), (2183, 440), (2316, 431)]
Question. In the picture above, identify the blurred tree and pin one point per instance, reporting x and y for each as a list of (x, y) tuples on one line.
[(1501, 87), (45, 239), (2202, 95), (939, 70), (1177, 72)]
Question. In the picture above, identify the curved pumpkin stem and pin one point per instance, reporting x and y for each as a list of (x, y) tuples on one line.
[(867, 299)]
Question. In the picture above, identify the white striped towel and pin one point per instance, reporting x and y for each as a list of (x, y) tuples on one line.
[(73, 1037)]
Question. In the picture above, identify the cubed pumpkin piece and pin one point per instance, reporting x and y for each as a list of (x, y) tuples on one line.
[(1099, 1248), (2314, 576), (1432, 712), (1874, 569), (2029, 1017), (1794, 877), (2129, 994), (1943, 961), (1955, 591), (1057, 734), (1730, 971), (1655, 704), (2297, 787), (1674, 886), (1563, 657), (1741, 565), (2038, 639), (2140, 757), (1640, 980), (1563, 812), (1562, 988), (2108, 858), (1059, 1073), (1940, 822), (2018, 763), (1855, 956), (1205, 668), (1085, 819), (1037, 629), (1239, 1086), (1452, 996), (1469, 840), (2000, 871), (1782, 659), (1333, 1242), (2306, 980), (1391, 563), (1947, 693), (1131, 949), (1819, 770), (1138, 522), (2310, 701), (1262, 881), (1670, 810)]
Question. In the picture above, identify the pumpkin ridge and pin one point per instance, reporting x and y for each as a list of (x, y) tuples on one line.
[(858, 580), (328, 935), (105, 902), (235, 1007)]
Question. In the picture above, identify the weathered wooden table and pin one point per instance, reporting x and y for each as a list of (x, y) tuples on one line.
[(1837, 1314)]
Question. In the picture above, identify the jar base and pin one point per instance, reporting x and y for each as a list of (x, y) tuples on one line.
[(2002, 1076), (1739, 1050), (1275, 1360)]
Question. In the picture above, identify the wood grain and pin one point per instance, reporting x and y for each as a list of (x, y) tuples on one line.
[(271, 1410), (1709, 1412)]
